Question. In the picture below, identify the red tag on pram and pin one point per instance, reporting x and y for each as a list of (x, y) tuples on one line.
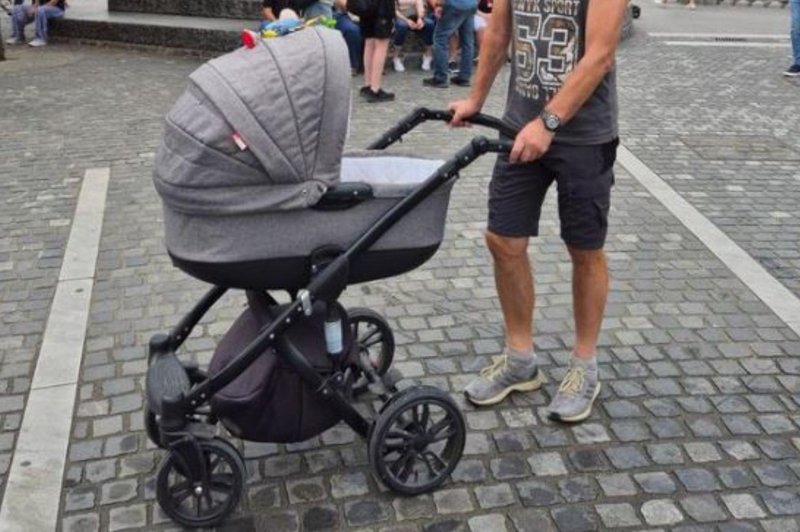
[(239, 141)]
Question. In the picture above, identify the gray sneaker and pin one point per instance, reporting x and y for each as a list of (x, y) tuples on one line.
[(507, 374), (576, 394)]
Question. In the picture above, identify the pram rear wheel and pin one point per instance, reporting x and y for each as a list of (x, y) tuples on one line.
[(373, 337), (417, 440), (193, 500)]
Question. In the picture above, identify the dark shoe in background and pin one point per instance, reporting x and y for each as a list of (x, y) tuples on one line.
[(436, 83), (455, 80), (792, 72), (380, 96)]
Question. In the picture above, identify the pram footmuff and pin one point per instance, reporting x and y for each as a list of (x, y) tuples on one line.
[(258, 195)]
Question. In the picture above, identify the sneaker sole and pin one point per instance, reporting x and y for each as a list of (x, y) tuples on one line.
[(552, 416), (791, 74), (527, 386)]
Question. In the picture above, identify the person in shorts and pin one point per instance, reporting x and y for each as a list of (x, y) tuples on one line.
[(562, 97), (376, 28)]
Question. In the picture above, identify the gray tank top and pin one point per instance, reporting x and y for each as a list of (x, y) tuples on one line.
[(547, 42)]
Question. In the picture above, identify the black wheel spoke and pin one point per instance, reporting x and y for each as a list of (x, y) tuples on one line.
[(401, 434), (436, 459), (197, 508), (399, 468), (424, 457), (212, 466), (438, 427), (373, 337), (179, 492), (426, 416)]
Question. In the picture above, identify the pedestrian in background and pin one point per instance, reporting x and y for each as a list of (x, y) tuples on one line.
[(352, 35), (39, 13), (794, 7), (455, 16), (412, 16), (376, 28)]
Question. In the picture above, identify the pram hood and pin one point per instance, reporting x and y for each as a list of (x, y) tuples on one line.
[(259, 129)]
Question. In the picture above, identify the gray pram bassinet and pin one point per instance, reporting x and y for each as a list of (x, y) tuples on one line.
[(250, 150)]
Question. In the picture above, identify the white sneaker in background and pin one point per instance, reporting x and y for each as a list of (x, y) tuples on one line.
[(13, 40), (36, 43), (398, 65), (426, 62)]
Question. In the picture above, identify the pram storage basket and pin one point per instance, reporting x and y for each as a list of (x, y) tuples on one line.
[(250, 148)]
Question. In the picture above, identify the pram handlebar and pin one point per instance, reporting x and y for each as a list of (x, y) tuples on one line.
[(423, 114)]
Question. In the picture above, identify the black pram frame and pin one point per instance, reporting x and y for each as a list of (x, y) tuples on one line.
[(206, 471)]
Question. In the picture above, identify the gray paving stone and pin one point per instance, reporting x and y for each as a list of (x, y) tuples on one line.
[(411, 508), (617, 485), (81, 498), (739, 450), (656, 483), (452, 501), (469, 471), (626, 457), (696, 479), (511, 441), (786, 524), (574, 519), (577, 489), (494, 496), (547, 464), (121, 491), (365, 512), (775, 475), (665, 453), (134, 516), (81, 523), (321, 517), (659, 512), (736, 477), (781, 502), (481, 523), (743, 506), (616, 516), (532, 520), (588, 460), (702, 452), (703, 508), (348, 485), (537, 493), (509, 467)]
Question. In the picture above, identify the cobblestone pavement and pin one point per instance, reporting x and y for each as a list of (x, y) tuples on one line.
[(697, 428)]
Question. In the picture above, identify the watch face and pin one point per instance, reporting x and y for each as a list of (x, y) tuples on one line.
[(552, 122)]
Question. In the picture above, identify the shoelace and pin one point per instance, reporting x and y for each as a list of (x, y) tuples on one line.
[(498, 366), (573, 381)]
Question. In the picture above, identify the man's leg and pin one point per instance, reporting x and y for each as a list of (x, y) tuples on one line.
[(516, 193), (19, 19), (369, 52), (585, 178), (514, 282), (352, 36), (589, 295)]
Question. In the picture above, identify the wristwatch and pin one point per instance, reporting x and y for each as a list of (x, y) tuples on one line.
[(551, 121)]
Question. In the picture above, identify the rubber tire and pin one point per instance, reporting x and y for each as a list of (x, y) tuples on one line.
[(236, 463), (398, 404)]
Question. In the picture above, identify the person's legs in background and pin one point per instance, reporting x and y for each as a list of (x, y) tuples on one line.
[(318, 9), (20, 16), (43, 14), (466, 36), (352, 36), (794, 6), (400, 31), (427, 39), (445, 27)]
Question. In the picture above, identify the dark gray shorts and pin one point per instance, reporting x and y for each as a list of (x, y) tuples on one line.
[(584, 175)]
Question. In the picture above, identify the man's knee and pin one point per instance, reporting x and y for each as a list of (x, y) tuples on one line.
[(587, 258), (505, 249)]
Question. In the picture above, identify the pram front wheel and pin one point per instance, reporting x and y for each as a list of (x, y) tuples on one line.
[(197, 499), (417, 440), (375, 339)]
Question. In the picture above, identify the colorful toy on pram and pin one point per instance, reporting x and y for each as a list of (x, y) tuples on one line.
[(258, 196)]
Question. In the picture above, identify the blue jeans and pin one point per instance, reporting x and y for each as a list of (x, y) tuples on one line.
[(21, 17), (794, 6), (352, 36), (318, 9), (454, 19), (401, 29)]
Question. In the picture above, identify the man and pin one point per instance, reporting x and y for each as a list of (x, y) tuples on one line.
[(453, 16), (39, 13), (794, 70), (562, 95)]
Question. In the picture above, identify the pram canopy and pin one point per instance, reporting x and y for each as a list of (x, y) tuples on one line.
[(259, 129)]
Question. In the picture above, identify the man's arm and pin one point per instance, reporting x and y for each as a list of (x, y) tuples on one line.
[(493, 55), (603, 24)]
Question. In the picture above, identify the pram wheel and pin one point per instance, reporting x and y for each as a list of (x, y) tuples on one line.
[(417, 440), (195, 500), (374, 337)]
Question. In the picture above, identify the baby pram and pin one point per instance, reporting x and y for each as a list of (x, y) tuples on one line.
[(258, 196)]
